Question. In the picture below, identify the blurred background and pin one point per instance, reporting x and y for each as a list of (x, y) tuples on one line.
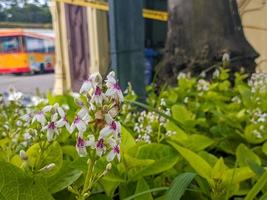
[(83, 35)]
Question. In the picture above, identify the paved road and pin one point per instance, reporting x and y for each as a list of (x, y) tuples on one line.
[(27, 83)]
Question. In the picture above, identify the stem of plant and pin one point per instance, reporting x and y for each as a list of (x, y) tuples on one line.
[(88, 179)]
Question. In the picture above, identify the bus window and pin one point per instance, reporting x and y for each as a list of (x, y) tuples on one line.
[(34, 45), (9, 44), (49, 46)]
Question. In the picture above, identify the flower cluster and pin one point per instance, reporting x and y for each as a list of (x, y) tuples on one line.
[(258, 82), (95, 123), (95, 126)]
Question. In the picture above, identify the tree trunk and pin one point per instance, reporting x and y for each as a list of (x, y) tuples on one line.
[(199, 33)]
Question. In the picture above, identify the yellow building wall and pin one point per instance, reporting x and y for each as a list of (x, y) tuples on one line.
[(254, 19)]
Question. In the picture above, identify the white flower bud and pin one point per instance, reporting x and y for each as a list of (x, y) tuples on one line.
[(48, 167), (23, 155)]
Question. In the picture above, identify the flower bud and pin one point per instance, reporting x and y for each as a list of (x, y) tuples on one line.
[(109, 166), (23, 155), (48, 167)]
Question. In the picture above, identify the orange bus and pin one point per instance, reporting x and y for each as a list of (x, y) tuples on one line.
[(26, 52)]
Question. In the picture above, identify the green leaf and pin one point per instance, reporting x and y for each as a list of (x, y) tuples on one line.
[(181, 114), (141, 187), (109, 186), (127, 140), (264, 148), (257, 187), (132, 162), (198, 142), (164, 156), (219, 169), (15, 184), (196, 162), (38, 160), (70, 150), (179, 186), (65, 177), (237, 175), (244, 154)]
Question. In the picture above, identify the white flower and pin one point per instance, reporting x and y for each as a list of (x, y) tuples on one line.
[(14, 96), (90, 83), (203, 85), (226, 57), (97, 96), (80, 122), (162, 102), (112, 127), (100, 147), (114, 89), (257, 134), (51, 128), (181, 76), (27, 136), (63, 120), (115, 151), (81, 147), (39, 117)]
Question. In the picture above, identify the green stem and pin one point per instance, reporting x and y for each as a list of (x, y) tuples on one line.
[(88, 179)]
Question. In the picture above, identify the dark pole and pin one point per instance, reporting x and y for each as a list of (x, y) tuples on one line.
[(127, 43)]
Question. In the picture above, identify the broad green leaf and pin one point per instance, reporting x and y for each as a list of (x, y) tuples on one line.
[(16, 185), (197, 142), (141, 187), (164, 156), (70, 150), (127, 140), (180, 135), (109, 186), (38, 160), (237, 175), (244, 154), (132, 162), (16, 160), (179, 186), (180, 113), (196, 162), (65, 177), (210, 158)]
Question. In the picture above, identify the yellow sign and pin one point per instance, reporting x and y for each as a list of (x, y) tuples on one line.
[(147, 13)]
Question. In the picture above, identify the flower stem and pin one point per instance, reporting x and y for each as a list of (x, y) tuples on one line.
[(88, 180)]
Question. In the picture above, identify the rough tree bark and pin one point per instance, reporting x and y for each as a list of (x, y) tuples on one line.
[(199, 33)]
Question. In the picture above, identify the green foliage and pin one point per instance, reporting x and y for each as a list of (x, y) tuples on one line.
[(15, 184), (196, 140), (179, 185)]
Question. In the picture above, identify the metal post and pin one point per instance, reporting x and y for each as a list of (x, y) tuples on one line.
[(127, 43)]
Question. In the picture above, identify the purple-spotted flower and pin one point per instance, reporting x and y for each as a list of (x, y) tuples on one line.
[(90, 83), (97, 96), (80, 121), (100, 147), (40, 116), (115, 151), (51, 128), (112, 127), (81, 147), (63, 119), (113, 86)]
